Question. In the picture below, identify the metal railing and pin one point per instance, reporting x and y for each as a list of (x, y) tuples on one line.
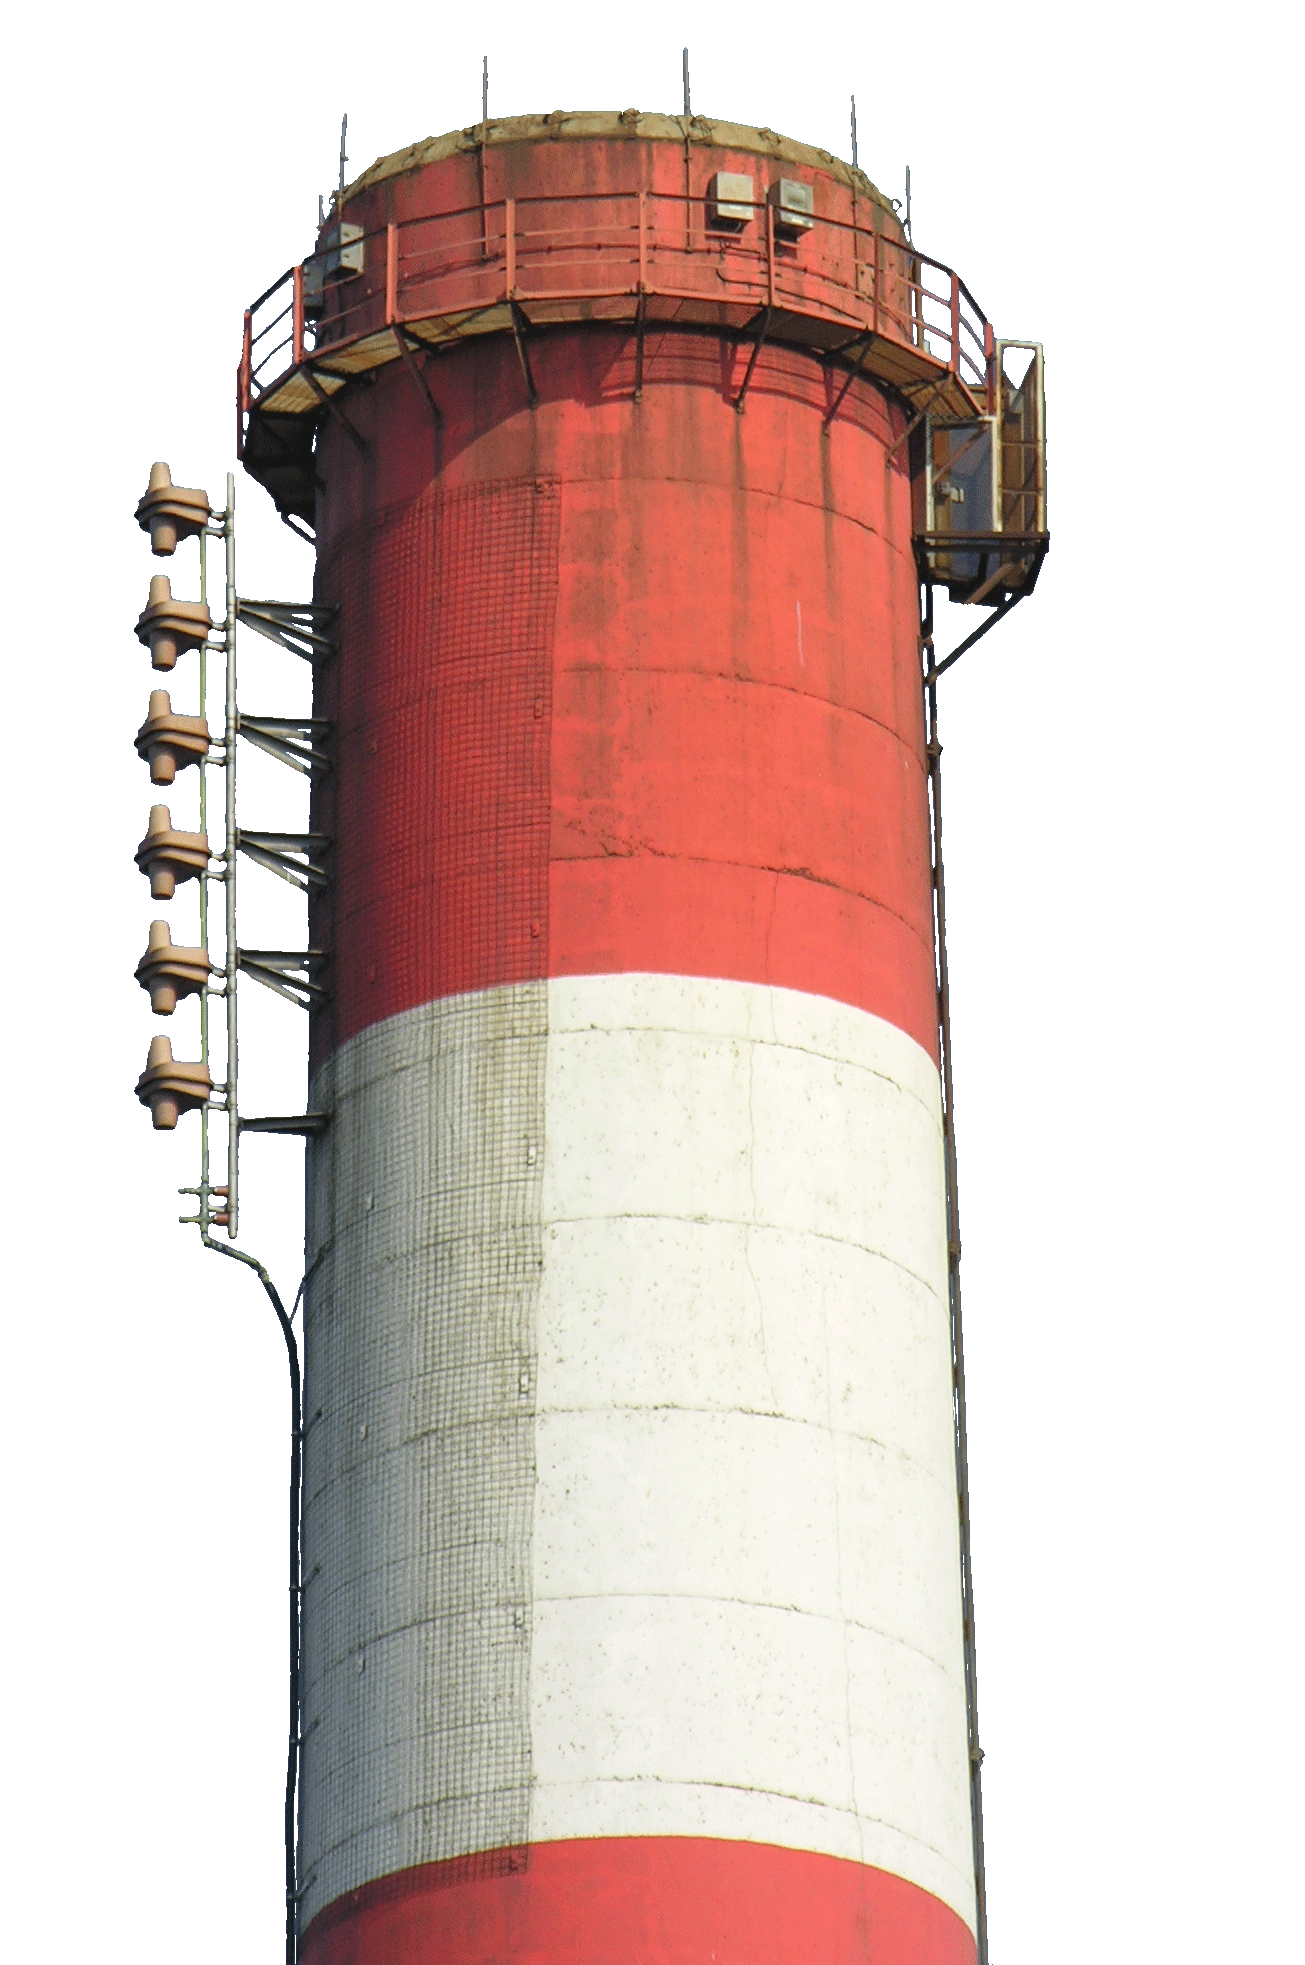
[(601, 255)]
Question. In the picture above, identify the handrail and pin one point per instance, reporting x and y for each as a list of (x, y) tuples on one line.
[(475, 258)]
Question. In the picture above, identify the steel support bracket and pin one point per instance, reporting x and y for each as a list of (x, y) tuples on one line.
[(306, 1124), (293, 625), (327, 399), (520, 329), (640, 322), (295, 856), (999, 613), (291, 740), (757, 347), (287, 972), (850, 378), (405, 348), (916, 420)]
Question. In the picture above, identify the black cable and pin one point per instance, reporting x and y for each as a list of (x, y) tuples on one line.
[(296, 1476)]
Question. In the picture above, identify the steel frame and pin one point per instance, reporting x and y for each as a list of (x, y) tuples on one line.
[(293, 974)]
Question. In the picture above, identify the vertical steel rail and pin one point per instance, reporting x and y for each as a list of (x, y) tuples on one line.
[(203, 892), (244, 383), (480, 161), (1040, 438), (297, 317), (933, 750), (233, 1112)]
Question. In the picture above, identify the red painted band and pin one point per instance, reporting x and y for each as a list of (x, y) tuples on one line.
[(646, 1900), (647, 717), (745, 924)]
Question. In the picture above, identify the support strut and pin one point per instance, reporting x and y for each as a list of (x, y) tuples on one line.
[(757, 347), (520, 329)]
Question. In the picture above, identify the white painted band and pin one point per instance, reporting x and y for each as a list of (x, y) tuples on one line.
[(637, 1285)]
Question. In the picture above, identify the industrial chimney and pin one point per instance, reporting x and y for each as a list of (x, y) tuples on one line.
[(636, 1619)]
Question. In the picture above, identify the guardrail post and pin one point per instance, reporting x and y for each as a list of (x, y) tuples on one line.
[(510, 227), (391, 275), (243, 370), (297, 316), (990, 363), (956, 324), (770, 254)]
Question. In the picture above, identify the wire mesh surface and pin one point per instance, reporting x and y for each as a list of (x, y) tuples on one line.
[(441, 699), (424, 1193), (424, 1201)]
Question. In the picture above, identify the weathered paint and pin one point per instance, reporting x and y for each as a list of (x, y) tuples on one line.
[(580, 188), (695, 1495), (630, 1525), (676, 1900), (622, 688)]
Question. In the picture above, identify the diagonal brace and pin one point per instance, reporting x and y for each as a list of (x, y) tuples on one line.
[(856, 369), (520, 329), (917, 419), (307, 1125), (287, 972), (404, 346), (295, 626), (999, 612), (757, 346), (292, 855), (329, 403), (640, 323), (945, 470), (291, 740)]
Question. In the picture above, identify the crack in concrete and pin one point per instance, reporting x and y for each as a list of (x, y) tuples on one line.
[(911, 752), (931, 1107), (727, 1221), (649, 852)]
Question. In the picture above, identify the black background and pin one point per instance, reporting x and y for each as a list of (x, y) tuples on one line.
[(183, 1360)]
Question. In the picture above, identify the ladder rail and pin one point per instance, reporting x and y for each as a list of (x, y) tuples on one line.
[(933, 751)]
